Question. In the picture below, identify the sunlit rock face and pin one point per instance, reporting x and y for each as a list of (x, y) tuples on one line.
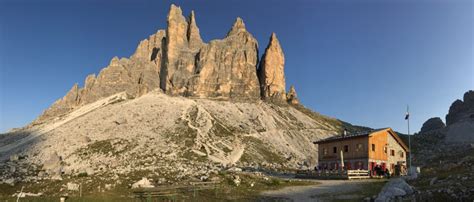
[(227, 68), (272, 72), (176, 61)]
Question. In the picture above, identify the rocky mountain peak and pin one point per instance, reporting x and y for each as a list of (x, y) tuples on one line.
[(194, 37), (175, 12), (239, 26), (115, 61), (177, 61), (461, 110), (432, 124), (272, 73), (274, 40)]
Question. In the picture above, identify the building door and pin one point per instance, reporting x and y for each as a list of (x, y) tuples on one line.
[(371, 167)]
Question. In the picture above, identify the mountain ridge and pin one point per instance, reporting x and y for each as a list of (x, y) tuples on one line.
[(178, 62), (178, 109)]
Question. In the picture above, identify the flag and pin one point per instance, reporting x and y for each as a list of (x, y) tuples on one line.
[(407, 116)]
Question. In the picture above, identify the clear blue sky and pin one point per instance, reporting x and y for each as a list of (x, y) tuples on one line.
[(359, 61)]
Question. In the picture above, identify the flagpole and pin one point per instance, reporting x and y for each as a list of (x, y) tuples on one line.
[(409, 140)]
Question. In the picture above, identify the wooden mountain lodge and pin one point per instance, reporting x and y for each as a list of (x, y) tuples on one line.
[(363, 151)]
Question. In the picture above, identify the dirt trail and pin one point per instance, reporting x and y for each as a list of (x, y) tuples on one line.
[(344, 189)]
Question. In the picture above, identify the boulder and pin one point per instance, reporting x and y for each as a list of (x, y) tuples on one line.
[(236, 180), (72, 186), (52, 165), (14, 157), (143, 183), (433, 180), (9, 181), (396, 187)]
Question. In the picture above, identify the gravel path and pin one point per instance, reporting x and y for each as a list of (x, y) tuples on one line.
[(343, 189)]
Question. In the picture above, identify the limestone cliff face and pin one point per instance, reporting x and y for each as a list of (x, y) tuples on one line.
[(182, 45), (221, 69), (272, 73), (227, 68), (178, 62), (137, 76)]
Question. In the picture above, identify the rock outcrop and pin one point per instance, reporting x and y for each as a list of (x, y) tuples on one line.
[(292, 97), (178, 62), (432, 124), (461, 110), (179, 56), (227, 68), (272, 71), (460, 120)]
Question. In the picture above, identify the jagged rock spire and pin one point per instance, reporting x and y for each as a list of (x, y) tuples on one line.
[(176, 32), (239, 26), (291, 96), (176, 41), (194, 38), (271, 72)]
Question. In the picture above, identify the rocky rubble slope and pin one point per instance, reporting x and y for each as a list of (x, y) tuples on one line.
[(447, 168), (174, 137)]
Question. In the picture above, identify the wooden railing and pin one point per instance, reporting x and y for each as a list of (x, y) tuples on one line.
[(358, 174), (172, 191), (333, 174)]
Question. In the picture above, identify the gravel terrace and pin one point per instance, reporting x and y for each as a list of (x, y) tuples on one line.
[(327, 190)]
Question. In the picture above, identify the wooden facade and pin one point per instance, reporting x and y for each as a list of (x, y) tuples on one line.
[(363, 151)]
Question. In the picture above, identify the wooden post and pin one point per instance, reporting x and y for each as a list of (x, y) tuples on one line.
[(342, 160), (21, 191)]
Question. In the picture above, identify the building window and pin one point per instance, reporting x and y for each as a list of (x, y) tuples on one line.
[(401, 154), (325, 151), (359, 147), (392, 152), (346, 148), (385, 149), (334, 150), (373, 147)]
